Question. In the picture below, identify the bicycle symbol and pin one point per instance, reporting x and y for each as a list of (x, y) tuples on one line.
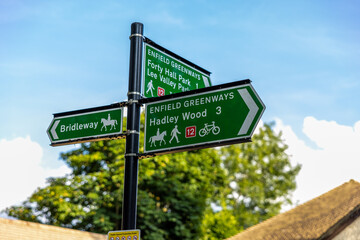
[(209, 128)]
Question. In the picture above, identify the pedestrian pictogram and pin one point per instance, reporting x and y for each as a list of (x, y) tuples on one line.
[(150, 88), (174, 134)]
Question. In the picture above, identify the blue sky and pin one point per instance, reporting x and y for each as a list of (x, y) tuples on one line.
[(302, 56)]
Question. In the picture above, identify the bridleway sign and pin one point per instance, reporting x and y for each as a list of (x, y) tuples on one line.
[(214, 116), (86, 125)]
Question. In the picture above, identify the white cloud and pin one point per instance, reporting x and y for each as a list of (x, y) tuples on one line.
[(334, 161), (21, 171)]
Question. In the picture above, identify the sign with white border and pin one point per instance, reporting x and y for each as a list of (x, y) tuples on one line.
[(86, 125), (167, 73), (219, 115)]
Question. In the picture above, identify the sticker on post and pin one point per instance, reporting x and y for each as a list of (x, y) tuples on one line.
[(124, 235)]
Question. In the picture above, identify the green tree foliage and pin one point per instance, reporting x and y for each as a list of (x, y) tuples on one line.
[(261, 177), (247, 182), (219, 225)]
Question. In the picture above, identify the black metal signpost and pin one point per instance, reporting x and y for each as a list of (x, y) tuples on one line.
[(92, 124), (133, 129)]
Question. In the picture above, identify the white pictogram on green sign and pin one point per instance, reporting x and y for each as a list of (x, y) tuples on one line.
[(209, 128), (158, 137), (174, 134), (108, 122)]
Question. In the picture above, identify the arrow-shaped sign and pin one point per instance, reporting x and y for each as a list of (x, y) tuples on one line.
[(167, 73), (253, 109), (213, 116), (53, 128), (86, 125)]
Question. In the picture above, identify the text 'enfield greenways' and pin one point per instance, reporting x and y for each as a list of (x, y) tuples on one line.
[(70, 128), (164, 74), (214, 117)]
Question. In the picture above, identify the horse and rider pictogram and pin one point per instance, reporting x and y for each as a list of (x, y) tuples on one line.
[(108, 122), (158, 137)]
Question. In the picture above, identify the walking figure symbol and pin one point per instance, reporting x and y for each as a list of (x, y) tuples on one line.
[(174, 134), (150, 87), (108, 122), (209, 128)]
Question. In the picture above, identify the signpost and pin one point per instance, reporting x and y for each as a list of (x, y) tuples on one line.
[(183, 112), (167, 73), (215, 116), (86, 125)]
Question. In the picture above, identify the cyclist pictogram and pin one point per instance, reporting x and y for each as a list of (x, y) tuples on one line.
[(209, 128)]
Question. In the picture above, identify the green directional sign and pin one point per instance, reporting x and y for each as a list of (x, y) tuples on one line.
[(166, 73), (222, 115), (86, 125)]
